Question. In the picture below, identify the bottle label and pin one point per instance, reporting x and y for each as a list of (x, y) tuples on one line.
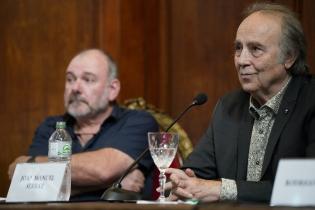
[(59, 149)]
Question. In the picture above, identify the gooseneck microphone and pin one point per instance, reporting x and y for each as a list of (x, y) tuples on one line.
[(115, 192), (200, 99)]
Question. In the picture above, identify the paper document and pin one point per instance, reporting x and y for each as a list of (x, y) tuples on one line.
[(189, 202)]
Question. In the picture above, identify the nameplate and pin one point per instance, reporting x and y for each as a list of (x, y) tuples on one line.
[(38, 182), (294, 183)]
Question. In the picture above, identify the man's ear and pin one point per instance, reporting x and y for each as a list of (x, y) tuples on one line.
[(289, 61), (114, 89)]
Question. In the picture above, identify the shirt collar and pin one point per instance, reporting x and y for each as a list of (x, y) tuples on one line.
[(116, 113), (272, 105)]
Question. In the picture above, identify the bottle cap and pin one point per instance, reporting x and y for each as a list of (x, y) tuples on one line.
[(61, 124)]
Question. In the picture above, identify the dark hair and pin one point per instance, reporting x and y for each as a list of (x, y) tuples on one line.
[(292, 40)]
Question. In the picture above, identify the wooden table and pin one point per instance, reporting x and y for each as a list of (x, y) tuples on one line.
[(133, 206)]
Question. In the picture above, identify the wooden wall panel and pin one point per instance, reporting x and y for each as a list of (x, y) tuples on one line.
[(167, 52), (134, 41), (201, 56), (308, 20), (37, 40)]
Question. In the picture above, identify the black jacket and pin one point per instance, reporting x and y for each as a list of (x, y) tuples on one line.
[(222, 152)]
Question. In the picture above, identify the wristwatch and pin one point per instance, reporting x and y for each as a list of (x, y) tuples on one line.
[(31, 159)]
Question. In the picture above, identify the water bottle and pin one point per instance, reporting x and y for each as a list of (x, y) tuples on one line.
[(59, 150)]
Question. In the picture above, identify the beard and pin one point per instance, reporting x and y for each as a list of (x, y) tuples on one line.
[(79, 107)]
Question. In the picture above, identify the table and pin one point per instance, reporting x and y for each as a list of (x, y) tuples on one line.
[(133, 206)]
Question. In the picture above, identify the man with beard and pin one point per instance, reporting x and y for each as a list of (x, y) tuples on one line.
[(106, 138)]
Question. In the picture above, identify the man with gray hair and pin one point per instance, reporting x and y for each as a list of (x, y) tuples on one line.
[(271, 117), (106, 138)]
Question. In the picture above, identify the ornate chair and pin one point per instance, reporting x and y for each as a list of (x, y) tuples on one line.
[(185, 146)]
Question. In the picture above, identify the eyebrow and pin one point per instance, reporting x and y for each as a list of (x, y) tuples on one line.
[(84, 74), (69, 73), (250, 43), (255, 43), (89, 74)]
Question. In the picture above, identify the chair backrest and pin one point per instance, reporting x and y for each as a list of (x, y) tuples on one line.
[(185, 146)]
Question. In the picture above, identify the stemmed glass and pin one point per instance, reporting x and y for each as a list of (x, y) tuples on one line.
[(163, 148)]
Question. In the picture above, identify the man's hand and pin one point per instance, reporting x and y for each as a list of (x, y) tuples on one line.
[(134, 181), (184, 184), (21, 159)]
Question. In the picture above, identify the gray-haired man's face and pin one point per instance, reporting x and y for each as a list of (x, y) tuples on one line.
[(86, 88), (260, 70)]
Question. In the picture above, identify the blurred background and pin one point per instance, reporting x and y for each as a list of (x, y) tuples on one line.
[(167, 52)]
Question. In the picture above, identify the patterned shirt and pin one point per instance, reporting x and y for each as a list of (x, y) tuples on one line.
[(264, 118)]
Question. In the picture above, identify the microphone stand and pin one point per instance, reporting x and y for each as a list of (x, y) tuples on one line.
[(115, 192)]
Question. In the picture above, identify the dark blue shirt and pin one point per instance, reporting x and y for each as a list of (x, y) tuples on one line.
[(125, 130)]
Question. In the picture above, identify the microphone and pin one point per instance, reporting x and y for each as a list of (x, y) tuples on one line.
[(115, 192), (200, 99)]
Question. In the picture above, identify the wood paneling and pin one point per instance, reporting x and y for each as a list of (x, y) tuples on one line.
[(308, 21), (201, 56), (131, 33), (37, 40), (167, 51)]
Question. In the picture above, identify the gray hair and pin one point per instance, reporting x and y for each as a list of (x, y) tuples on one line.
[(293, 40), (112, 67)]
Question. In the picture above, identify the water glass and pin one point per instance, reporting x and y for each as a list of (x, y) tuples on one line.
[(163, 148)]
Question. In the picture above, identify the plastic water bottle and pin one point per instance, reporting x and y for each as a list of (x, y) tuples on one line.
[(59, 150), (60, 143)]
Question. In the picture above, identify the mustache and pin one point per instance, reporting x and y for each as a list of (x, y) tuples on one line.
[(76, 98)]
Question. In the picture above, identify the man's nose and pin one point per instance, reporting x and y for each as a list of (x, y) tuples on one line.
[(76, 86), (243, 58)]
